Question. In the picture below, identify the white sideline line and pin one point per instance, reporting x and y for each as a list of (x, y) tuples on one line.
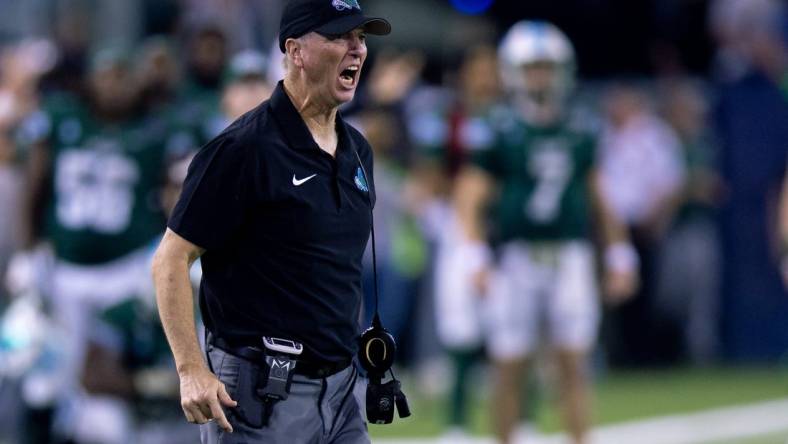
[(693, 428)]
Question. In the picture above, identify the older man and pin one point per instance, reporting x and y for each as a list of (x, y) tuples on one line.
[(278, 208)]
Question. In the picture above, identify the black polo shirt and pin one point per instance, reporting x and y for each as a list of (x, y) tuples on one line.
[(284, 226)]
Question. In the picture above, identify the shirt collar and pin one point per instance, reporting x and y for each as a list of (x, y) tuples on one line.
[(295, 129)]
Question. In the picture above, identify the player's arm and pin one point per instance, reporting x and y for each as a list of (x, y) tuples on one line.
[(38, 171), (20, 275), (202, 394), (472, 192), (783, 229), (620, 258)]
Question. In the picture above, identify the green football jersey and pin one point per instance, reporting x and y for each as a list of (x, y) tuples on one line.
[(198, 108), (144, 343), (105, 183), (543, 176)]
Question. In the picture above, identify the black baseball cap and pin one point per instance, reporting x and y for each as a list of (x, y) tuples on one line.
[(328, 17)]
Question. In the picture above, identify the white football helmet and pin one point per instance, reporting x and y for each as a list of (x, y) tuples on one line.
[(530, 43)]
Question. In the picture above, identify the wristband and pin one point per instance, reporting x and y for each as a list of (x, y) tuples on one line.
[(621, 257)]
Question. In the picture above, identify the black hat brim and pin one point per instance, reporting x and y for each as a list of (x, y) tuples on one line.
[(342, 25)]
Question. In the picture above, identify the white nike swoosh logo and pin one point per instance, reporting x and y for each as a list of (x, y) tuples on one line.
[(299, 182)]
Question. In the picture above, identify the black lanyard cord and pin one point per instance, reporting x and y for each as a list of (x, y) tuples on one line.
[(376, 319)]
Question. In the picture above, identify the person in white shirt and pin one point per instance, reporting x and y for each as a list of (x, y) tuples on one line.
[(642, 175)]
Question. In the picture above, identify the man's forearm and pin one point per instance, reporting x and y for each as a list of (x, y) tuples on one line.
[(470, 195), (783, 218), (176, 309), (619, 254)]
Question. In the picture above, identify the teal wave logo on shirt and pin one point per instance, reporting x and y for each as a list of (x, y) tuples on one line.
[(361, 182)]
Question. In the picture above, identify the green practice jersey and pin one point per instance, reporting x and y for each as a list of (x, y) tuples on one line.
[(543, 177), (105, 182)]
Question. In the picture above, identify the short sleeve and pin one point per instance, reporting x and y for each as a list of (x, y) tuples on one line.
[(214, 200), (500, 132)]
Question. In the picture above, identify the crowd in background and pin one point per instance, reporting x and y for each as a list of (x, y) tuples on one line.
[(694, 166)]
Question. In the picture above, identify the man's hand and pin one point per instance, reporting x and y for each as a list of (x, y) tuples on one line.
[(619, 286), (481, 282), (394, 74), (20, 278), (202, 397)]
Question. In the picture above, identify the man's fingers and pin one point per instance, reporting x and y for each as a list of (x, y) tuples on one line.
[(205, 409), (225, 398), (188, 415), (218, 414), (198, 415)]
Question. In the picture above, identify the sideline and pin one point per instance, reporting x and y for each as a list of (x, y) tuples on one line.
[(728, 423)]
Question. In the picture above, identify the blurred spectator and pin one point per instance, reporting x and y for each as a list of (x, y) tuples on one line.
[(748, 33), (688, 273), (751, 119), (199, 95), (394, 77), (245, 88), (400, 249), (207, 52), (401, 255), (726, 22), (72, 38), (249, 23), (642, 172), (158, 73), (783, 231), (245, 85)]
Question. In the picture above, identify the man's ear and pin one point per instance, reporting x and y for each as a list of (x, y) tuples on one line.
[(293, 51)]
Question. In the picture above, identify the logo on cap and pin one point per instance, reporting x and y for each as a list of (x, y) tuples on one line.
[(341, 5)]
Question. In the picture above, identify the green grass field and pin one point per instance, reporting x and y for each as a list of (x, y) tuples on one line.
[(620, 396)]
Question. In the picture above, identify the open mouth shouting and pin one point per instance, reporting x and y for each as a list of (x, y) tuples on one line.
[(348, 77)]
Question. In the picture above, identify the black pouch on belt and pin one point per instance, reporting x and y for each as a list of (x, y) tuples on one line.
[(250, 409), (262, 386)]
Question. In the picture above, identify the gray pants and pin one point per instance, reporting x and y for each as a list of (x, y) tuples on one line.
[(317, 411)]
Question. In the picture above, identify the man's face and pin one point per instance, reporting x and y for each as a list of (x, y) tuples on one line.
[(475, 74), (208, 53), (241, 96), (541, 80), (114, 90), (333, 64)]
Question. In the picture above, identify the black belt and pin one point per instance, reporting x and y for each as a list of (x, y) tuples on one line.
[(310, 369)]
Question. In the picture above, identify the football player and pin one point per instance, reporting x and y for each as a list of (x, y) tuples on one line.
[(447, 126), (96, 169), (543, 194)]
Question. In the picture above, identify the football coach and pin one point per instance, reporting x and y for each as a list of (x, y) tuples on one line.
[(278, 209)]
